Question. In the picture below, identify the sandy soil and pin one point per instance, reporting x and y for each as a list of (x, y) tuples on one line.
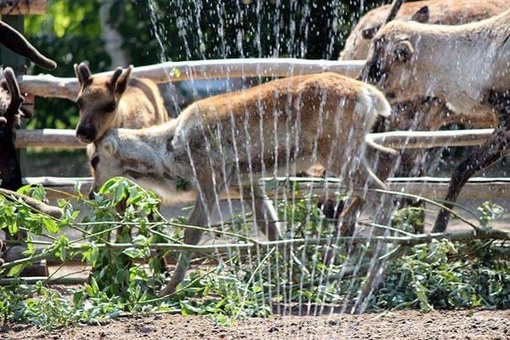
[(390, 325)]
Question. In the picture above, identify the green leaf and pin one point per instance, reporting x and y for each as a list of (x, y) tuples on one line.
[(134, 253), (13, 227), (16, 270), (91, 255), (188, 309), (140, 240), (92, 288), (50, 225)]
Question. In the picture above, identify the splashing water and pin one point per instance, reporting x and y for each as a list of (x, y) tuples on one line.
[(296, 273)]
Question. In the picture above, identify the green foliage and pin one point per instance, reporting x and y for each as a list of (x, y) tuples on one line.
[(224, 297), (114, 271), (489, 212), (124, 278), (434, 276), (124, 226)]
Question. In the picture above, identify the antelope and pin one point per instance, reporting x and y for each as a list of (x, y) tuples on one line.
[(437, 12), (107, 102), (426, 113), (280, 127), (464, 65), (11, 105), (11, 111)]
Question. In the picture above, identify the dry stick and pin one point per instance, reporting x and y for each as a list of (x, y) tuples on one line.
[(35, 279), (34, 204)]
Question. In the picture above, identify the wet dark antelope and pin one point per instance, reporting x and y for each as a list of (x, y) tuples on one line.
[(11, 111), (10, 105), (464, 65)]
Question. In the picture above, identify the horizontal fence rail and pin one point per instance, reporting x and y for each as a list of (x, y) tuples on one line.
[(428, 187), (66, 139), (49, 86)]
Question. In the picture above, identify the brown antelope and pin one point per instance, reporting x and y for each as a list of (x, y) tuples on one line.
[(112, 102), (465, 65), (279, 127)]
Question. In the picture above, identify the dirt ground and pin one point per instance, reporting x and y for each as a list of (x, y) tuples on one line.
[(390, 325)]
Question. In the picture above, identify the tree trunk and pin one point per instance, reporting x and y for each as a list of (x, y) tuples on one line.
[(113, 40)]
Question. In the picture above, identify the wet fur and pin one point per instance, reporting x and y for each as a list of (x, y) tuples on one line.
[(10, 105), (437, 12), (277, 128), (464, 65), (427, 113)]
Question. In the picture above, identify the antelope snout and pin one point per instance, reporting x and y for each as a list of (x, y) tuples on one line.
[(86, 133)]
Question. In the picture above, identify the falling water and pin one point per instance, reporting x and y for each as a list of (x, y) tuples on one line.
[(280, 291)]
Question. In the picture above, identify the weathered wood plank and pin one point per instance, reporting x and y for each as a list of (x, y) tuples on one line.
[(429, 187), (431, 139), (57, 138), (48, 138), (67, 88)]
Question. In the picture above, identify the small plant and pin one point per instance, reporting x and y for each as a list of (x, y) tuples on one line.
[(489, 212), (434, 276)]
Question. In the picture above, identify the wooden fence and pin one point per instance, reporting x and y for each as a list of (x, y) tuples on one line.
[(49, 86)]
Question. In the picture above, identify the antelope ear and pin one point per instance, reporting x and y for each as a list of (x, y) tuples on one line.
[(369, 33), (110, 145), (83, 73), (423, 15), (123, 81), (403, 51)]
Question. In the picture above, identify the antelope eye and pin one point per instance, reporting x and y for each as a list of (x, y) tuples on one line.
[(110, 107), (79, 102), (94, 162), (169, 146)]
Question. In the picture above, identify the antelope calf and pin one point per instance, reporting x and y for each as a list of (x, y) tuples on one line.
[(465, 65), (277, 128), (118, 101)]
